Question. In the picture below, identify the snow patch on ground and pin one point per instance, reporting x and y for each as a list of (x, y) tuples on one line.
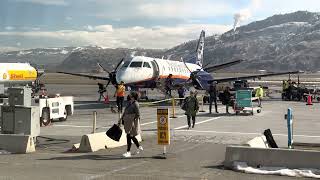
[(282, 171)]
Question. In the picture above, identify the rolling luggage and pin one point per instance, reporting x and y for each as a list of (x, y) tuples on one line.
[(114, 132)]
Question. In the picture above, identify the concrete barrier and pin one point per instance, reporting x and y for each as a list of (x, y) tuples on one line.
[(15, 143), (97, 141), (290, 158), (258, 142)]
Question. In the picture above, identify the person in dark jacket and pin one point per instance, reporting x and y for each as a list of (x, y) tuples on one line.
[(168, 84), (101, 91), (131, 123), (213, 97), (227, 98), (191, 109), (181, 93)]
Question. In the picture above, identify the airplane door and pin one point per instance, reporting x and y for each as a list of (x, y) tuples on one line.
[(155, 68)]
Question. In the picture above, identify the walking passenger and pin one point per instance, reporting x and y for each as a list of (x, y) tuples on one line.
[(131, 122), (191, 108)]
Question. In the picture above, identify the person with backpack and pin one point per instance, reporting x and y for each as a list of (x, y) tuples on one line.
[(191, 107)]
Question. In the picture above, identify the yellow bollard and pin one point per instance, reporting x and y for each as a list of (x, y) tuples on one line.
[(202, 104), (94, 124), (173, 108)]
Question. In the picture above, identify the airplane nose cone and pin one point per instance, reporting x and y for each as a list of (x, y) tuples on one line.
[(122, 76)]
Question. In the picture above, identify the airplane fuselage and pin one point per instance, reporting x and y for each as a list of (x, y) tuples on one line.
[(143, 72)]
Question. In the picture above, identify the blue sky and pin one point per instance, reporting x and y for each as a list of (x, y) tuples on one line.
[(128, 23)]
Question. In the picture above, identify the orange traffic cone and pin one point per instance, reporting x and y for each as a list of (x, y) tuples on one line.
[(309, 100), (106, 99)]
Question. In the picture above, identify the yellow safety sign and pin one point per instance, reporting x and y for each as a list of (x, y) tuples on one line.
[(163, 126)]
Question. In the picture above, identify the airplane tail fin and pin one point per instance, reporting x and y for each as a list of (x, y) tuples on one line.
[(200, 47), (197, 58)]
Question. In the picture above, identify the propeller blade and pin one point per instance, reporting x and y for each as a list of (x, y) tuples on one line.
[(108, 83), (103, 68), (118, 65), (186, 66)]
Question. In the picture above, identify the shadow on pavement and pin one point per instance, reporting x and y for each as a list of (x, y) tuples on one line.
[(97, 157)]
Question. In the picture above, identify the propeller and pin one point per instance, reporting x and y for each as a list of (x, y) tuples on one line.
[(194, 77), (112, 74)]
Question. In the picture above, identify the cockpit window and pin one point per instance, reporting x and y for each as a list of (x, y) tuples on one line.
[(126, 64), (147, 65), (136, 64)]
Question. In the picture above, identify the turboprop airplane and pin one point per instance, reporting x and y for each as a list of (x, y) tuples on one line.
[(148, 72)]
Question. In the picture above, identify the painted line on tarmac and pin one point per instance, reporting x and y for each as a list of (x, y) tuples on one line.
[(242, 133), (208, 120), (143, 124), (67, 125), (86, 104)]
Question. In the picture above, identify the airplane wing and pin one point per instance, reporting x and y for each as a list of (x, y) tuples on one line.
[(222, 66), (85, 75), (253, 76)]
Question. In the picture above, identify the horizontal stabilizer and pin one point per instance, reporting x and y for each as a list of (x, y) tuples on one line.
[(253, 76)]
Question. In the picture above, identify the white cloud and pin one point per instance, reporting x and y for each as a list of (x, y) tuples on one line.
[(165, 9), (9, 28), (104, 28), (185, 9), (68, 18), (130, 37), (89, 27), (46, 2), (8, 49)]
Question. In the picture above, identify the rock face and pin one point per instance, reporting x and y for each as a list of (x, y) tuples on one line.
[(278, 43)]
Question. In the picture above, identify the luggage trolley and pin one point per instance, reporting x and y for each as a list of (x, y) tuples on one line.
[(244, 102)]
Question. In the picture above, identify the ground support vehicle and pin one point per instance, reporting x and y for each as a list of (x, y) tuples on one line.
[(55, 108), (244, 102)]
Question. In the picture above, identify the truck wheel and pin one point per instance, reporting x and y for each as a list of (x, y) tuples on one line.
[(45, 118), (66, 114)]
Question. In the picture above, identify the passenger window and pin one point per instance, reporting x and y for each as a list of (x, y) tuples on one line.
[(136, 64), (147, 65)]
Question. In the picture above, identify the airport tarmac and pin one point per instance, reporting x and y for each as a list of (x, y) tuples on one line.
[(193, 154)]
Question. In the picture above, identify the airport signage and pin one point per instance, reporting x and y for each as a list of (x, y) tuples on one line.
[(163, 126)]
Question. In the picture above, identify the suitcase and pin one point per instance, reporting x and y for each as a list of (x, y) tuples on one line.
[(114, 132)]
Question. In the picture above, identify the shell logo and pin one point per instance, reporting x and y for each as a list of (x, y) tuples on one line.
[(4, 76)]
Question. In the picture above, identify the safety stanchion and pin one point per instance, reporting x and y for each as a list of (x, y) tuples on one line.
[(289, 118), (94, 124), (202, 104), (173, 108)]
